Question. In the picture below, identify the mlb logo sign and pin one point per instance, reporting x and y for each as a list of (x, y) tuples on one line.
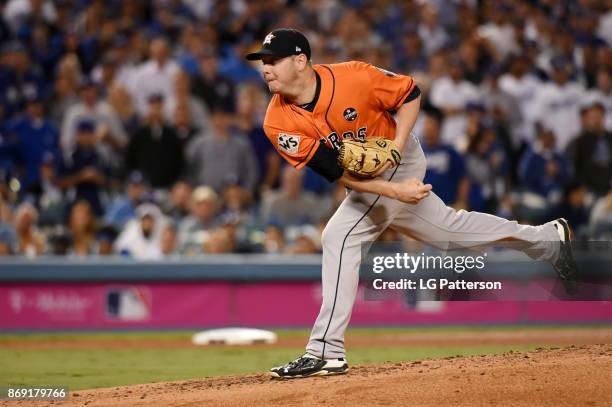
[(128, 304), (288, 143)]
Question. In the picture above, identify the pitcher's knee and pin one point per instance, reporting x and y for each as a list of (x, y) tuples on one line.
[(329, 236)]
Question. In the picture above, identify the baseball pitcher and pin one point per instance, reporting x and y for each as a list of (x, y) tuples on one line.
[(338, 120)]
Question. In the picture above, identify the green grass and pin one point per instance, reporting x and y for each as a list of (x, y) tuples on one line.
[(90, 368), (288, 333)]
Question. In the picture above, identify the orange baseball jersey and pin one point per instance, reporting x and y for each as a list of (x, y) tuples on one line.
[(355, 101)]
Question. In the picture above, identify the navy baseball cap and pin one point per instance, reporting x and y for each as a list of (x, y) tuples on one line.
[(282, 42), (34, 97), (560, 62), (86, 126), (87, 82), (106, 233), (155, 98), (136, 177), (48, 158)]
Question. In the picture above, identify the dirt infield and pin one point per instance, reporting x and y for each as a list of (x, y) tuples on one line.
[(569, 376)]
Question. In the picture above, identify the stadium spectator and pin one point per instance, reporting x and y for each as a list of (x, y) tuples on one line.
[(140, 239), (154, 77), (600, 221), (139, 48), (274, 239), (155, 149), (82, 37), (543, 172), (502, 106), (410, 56), (475, 115), (239, 234), (104, 240), (8, 239), (219, 156), (84, 172), (8, 153), (602, 93), (218, 241), (19, 13), (168, 19), (473, 60), (42, 52), (189, 45), (105, 74), (125, 60), (197, 110), (82, 226), (121, 102), (562, 46), (59, 241), (497, 32), (46, 193), (20, 78), (451, 94), (233, 65), (30, 242), (557, 104), (182, 121), (203, 217), (65, 91), (437, 67), (108, 127), (487, 167), (445, 167), (35, 136), (178, 202), (216, 90), (591, 151), (237, 204), (291, 205), (302, 245), (432, 34), (524, 87), (123, 208), (604, 28), (169, 242), (574, 206), (249, 119)]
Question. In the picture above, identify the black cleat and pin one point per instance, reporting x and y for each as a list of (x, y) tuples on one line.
[(565, 266), (307, 365)]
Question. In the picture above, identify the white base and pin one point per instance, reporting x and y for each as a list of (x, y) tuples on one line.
[(234, 336)]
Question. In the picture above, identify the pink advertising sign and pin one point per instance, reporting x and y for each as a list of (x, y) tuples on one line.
[(103, 305), (269, 304)]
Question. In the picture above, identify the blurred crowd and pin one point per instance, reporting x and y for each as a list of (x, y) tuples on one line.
[(134, 127)]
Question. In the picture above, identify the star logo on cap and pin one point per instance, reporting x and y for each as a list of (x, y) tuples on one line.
[(268, 39)]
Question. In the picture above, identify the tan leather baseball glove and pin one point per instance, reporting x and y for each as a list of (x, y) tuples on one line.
[(364, 159)]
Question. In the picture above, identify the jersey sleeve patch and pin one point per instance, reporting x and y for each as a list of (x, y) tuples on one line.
[(289, 143)]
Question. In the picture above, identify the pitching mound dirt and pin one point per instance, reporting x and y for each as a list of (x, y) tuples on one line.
[(570, 376)]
